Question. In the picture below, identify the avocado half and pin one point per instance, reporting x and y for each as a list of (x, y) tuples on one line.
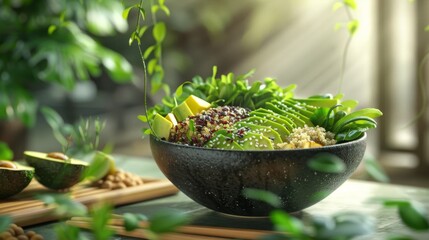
[(54, 173), (14, 180)]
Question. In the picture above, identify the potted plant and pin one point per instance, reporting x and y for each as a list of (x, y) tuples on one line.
[(47, 43)]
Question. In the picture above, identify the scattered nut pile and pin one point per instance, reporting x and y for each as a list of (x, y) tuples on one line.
[(119, 180), (17, 233)]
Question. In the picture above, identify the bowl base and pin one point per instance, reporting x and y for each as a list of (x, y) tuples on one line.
[(241, 216)]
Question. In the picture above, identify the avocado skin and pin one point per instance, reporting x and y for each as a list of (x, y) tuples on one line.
[(55, 175), (14, 181)]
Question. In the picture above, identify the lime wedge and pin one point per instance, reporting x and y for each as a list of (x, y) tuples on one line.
[(101, 165)]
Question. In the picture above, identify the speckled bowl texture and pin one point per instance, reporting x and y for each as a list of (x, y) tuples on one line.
[(216, 178)]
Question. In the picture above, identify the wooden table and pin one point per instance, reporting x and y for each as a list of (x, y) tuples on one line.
[(353, 195)]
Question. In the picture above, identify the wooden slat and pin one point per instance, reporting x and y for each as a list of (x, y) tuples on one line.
[(26, 210), (202, 231), (144, 234)]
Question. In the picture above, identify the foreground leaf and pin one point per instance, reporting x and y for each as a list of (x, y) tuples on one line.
[(167, 220), (374, 169), (263, 196), (327, 163)]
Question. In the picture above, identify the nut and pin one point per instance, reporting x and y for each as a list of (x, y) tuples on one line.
[(7, 164), (119, 180), (57, 155)]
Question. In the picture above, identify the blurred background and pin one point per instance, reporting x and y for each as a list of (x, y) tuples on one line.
[(292, 41)]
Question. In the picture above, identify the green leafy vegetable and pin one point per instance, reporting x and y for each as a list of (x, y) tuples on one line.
[(327, 163), (374, 169), (67, 232), (64, 205), (101, 214), (167, 220), (285, 223), (131, 221), (264, 196), (412, 213), (5, 152)]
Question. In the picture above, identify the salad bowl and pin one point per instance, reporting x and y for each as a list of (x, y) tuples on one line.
[(217, 178)]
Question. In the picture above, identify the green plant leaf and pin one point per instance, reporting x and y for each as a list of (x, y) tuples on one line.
[(351, 3), (142, 13), (154, 9), (118, 68), (400, 237), (167, 220), (374, 169), (179, 90), (353, 26), (263, 196), (142, 118), (285, 223), (147, 131), (148, 51), (337, 5), (151, 66), (5, 222), (414, 215), (99, 167), (165, 10), (126, 12), (5, 152), (427, 28), (159, 31), (101, 214), (51, 29), (67, 232), (64, 205), (327, 163), (349, 225), (131, 221), (141, 31)]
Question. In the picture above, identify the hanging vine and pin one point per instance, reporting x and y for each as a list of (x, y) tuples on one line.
[(352, 26)]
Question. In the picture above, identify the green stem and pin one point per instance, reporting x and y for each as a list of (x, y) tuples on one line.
[(344, 60), (144, 73), (422, 86), (155, 21), (345, 52)]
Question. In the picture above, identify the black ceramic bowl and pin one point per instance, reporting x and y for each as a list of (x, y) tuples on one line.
[(216, 178)]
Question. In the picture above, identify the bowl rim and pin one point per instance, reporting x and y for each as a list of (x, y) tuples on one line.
[(329, 147)]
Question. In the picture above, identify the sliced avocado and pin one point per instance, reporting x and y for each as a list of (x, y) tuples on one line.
[(54, 173), (255, 141), (275, 118), (295, 113), (265, 122), (14, 178), (197, 104), (161, 126), (289, 127), (182, 111), (264, 130), (223, 142), (170, 117), (297, 107), (319, 102), (296, 119)]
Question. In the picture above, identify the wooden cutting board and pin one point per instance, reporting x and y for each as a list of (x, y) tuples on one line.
[(25, 210)]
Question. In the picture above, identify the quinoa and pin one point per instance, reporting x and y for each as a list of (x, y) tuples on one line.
[(197, 130), (307, 137)]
